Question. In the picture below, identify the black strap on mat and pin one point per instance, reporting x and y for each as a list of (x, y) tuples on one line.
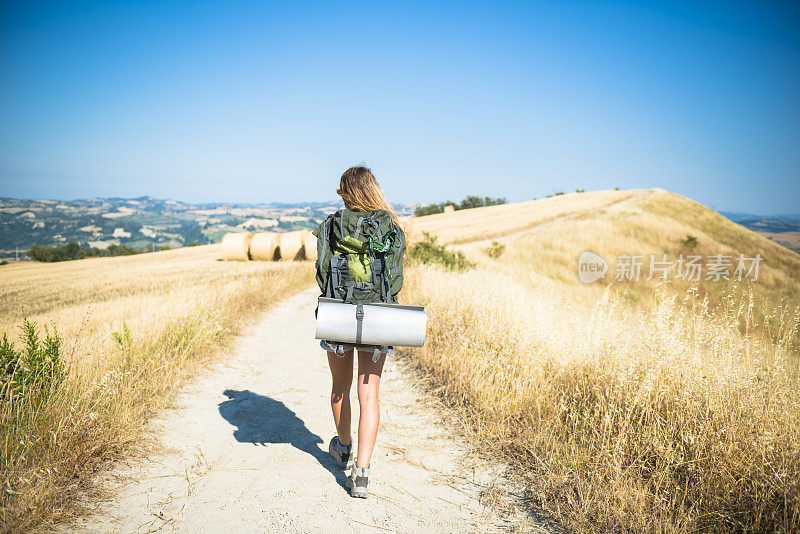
[(359, 322)]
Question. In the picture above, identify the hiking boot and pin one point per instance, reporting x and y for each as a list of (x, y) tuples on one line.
[(341, 454), (357, 482)]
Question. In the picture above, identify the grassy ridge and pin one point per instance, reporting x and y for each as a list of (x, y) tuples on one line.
[(644, 407), (120, 375)]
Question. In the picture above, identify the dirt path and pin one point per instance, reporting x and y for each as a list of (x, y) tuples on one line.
[(245, 450)]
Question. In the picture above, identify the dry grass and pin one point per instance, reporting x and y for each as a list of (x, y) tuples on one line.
[(181, 307), (492, 221), (662, 418), (644, 408)]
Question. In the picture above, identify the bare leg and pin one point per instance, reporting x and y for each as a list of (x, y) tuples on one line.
[(369, 379), (342, 374)]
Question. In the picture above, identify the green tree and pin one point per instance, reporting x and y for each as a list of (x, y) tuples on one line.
[(42, 253)]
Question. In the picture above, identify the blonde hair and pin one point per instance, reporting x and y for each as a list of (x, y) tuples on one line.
[(360, 192)]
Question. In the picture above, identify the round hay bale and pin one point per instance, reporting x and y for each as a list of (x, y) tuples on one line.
[(449, 208), (291, 245), (264, 246), (236, 246), (310, 246)]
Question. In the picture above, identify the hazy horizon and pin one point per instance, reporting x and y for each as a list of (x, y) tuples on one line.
[(337, 199)]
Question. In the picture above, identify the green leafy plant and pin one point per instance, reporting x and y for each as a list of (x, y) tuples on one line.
[(33, 369), (495, 250), (429, 251), (123, 339), (689, 242)]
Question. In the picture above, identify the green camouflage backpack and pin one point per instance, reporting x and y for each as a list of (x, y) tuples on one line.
[(360, 256)]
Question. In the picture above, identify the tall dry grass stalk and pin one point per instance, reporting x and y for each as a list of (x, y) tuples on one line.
[(179, 312), (665, 417)]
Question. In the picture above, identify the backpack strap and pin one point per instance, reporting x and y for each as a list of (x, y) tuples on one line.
[(384, 281), (358, 226), (324, 240)]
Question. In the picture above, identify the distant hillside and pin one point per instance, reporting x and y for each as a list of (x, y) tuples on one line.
[(783, 229), (146, 222)]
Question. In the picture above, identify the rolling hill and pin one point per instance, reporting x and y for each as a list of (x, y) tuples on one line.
[(624, 405), (547, 236)]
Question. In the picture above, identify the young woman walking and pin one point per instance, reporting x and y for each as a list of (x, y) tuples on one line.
[(360, 250)]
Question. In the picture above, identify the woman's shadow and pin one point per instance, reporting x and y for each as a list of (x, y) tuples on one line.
[(261, 420)]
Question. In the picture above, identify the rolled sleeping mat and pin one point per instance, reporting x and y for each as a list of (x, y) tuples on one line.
[(291, 245), (310, 246), (263, 246), (381, 324), (236, 246)]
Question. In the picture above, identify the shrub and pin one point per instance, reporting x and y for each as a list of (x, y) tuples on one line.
[(689, 242), (34, 369), (118, 250), (429, 251), (495, 250)]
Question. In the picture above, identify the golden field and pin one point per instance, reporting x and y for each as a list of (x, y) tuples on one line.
[(637, 406), (464, 226), (632, 407), (133, 329)]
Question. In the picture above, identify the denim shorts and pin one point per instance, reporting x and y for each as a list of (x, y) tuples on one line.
[(331, 346)]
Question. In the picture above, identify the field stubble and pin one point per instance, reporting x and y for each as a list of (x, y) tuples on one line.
[(133, 329)]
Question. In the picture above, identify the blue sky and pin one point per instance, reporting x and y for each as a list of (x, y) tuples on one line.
[(257, 102)]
